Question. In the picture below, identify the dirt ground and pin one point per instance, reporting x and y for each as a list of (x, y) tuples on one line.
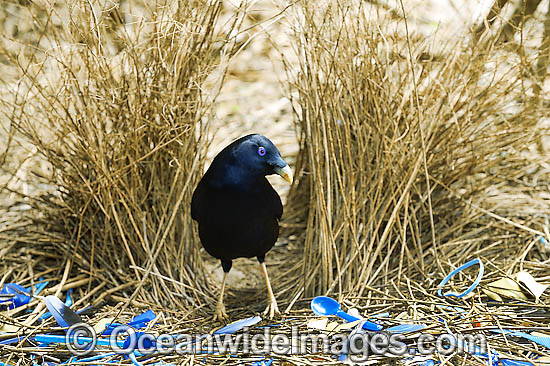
[(252, 100)]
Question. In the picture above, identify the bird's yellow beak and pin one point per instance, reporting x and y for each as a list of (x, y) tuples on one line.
[(285, 172)]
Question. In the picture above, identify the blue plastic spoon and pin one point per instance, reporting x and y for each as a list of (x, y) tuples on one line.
[(325, 306)]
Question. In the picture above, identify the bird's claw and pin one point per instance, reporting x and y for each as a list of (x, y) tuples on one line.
[(220, 314), (272, 310)]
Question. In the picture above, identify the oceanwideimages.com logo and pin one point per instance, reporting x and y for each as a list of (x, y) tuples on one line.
[(81, 339)]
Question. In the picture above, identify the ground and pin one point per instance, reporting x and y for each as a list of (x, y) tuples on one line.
[(254, 100)]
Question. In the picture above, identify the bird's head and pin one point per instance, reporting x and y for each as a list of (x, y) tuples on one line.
[(258, 155), (252, 156)]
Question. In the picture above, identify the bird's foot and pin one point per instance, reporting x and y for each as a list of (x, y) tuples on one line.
[(220, 314), (272, 310)]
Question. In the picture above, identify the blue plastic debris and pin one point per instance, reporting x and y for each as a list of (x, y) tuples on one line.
[(97, 357), (39, 286), (459, 269), (63, 315), (138, 322), (238, 325), (544, 243), (429, 362), (406, 328), (70, 360), (68, 303), (543, 341), (132, 357), (492, 358), (359, 329), (12, 340), (14, 295), (69, 299), (263, 362), (325, 306), (381, 315), (507, 362), (54, 338), (455, 309), (148, 343)]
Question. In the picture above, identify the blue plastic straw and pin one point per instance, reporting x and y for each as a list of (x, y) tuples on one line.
[(543, 341), (52, 338), (97, 357)]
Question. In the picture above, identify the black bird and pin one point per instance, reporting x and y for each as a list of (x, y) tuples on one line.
[(237, 210)]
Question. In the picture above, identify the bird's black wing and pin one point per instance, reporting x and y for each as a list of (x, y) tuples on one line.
[(274, 200), (196, 212)]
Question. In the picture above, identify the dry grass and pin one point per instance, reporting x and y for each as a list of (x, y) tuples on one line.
[(117, 101), (398, 134)]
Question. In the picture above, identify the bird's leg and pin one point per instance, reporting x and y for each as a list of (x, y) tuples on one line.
[(272, 310), (220, 314)]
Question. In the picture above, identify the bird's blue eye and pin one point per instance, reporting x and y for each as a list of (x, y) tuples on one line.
[(261, 151)]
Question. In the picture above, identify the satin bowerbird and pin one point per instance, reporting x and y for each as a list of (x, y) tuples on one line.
[(237, 209)]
